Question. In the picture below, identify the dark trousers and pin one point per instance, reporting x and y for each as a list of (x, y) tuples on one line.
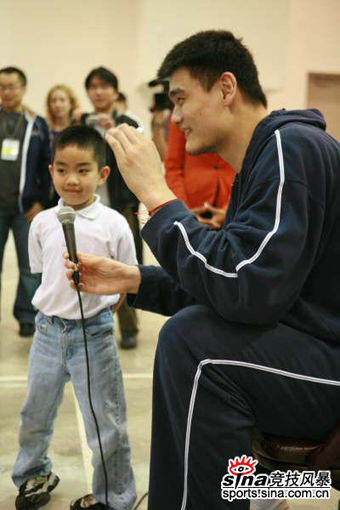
[(127, 316), (12, 218), (206, 405)]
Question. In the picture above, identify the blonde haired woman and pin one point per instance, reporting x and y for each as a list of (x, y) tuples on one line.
[(61, 102)]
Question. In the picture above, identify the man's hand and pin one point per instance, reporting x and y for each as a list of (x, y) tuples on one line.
[(101, 275), (212, 217), (105, 121), (140, 165), (77, 114), (33, 211)]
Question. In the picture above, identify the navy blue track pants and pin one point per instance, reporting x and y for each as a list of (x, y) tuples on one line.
[(214, 381)]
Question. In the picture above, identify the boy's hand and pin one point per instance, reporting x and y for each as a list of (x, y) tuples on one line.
[(119, 303), (33, 211), (101, 275)]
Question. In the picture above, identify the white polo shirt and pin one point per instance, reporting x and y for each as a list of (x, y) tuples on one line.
[(99, 230)]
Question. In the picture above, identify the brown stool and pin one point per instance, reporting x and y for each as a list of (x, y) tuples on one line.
[(284, 453)]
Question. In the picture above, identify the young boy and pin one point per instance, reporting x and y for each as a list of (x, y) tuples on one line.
[(58, 354)]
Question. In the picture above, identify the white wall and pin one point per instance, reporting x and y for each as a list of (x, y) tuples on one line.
[(313, 45), (262, 24), (62, 40)]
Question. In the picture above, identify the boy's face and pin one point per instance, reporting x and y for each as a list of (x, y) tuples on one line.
[(75, 175)]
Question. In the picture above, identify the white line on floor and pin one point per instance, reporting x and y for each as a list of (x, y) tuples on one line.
[(23, 378), (14, 378), (138, 376)]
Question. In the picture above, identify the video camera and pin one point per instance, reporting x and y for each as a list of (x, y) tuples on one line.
[(161, 99)]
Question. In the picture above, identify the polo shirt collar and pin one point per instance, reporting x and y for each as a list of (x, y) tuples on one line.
[(90, 212)]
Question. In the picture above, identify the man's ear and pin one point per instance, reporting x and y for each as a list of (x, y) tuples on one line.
[(50, 169), (228, 84), (103, 174)]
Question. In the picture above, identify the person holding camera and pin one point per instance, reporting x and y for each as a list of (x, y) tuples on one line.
[(161, 109), (102, 89)]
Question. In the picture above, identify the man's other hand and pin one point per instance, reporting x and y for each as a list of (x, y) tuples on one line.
[(102, 275), (212, 217)]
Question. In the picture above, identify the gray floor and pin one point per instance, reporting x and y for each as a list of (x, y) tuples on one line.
[(69, 451)]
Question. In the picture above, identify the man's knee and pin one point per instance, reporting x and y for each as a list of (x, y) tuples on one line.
[(183, 327)]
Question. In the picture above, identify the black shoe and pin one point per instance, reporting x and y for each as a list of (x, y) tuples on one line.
[(26, 329), (129, 340), (89, 502), (35, 492)]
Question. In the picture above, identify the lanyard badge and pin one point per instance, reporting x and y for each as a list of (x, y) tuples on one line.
[(10, 149)]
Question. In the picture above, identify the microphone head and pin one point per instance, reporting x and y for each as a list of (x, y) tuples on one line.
[(66, 214)]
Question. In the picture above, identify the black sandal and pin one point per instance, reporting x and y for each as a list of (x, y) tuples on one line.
[(77, 504)]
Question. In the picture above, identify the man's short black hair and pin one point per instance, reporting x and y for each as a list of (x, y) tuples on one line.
[(20, 73), (209, 54), (103, 74), (82, 137)]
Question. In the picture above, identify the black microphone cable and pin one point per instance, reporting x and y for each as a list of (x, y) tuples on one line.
[(89, 395), (76, 282), (140, 501)]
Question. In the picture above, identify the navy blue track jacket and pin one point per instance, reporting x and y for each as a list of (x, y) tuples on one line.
[(277, 256)]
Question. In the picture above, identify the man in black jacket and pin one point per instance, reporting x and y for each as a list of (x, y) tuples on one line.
[(25, 183), (102, 88), (254, 340)]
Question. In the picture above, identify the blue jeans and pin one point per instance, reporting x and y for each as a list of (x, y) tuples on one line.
[(57, 356), (12, 218)]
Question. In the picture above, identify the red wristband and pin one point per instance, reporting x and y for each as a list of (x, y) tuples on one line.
[(160, 206)]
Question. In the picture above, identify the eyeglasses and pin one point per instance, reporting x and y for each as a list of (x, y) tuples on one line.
[(104, 86), (10, 88)]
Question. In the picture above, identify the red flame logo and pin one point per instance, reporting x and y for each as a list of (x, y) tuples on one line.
[(242, 466)]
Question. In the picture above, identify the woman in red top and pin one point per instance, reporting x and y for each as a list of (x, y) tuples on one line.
[(196, 179)]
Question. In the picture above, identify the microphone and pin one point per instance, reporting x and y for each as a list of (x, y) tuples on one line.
[(66, 216)]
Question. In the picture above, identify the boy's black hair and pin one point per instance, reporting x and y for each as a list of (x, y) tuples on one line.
[(103, 74), (20, 73), (209, 54), (83, 137)]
